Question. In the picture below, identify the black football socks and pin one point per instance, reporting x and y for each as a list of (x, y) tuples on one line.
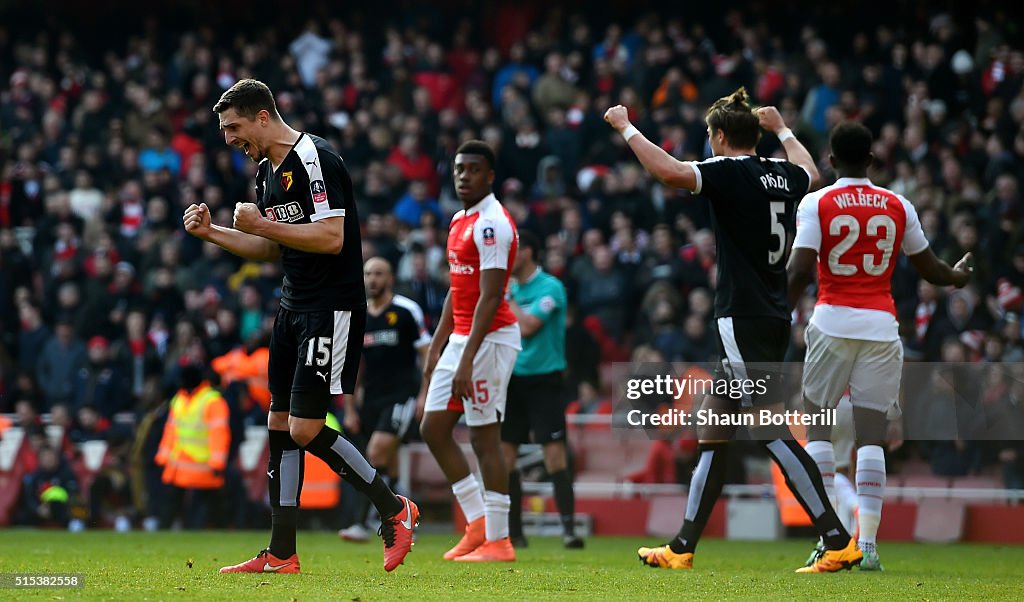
[(565, 500), (705, 487), (515, 510), (344, 459), (284, 472)]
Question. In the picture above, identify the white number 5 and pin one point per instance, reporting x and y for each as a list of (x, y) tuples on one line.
[(778, 209)]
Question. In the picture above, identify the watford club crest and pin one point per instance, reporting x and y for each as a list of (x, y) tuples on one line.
[(286, 180), (392, 318)]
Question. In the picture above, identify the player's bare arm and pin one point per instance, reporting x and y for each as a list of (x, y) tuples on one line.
[(197, 223), (938, 272), (445, 326), (803, 263), (492, 284), (529, 324), (325, 236), (772, 121), (664, 167)]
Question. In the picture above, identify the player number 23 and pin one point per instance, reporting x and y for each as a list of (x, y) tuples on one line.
[(885, 243)]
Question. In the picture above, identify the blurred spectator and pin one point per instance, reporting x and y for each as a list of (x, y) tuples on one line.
[(101, 383), (59, 363), (601, 288), (553, 90), (413, 164), (89, 425), (311, 52), (423, 288), (415, 203), (32, 338), (47, 492), (85, 199), (515, 72), (157, 155)]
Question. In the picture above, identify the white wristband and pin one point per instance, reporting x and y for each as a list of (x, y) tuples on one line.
[(629, 132), (785, 134)]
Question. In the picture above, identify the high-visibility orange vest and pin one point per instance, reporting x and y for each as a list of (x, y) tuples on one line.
[(238, 365), (321, 486), (194, 447)]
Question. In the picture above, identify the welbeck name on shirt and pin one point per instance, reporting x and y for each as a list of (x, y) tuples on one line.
[(861, 199)]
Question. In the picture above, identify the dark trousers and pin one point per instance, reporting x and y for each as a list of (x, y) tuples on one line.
[(193, 505)]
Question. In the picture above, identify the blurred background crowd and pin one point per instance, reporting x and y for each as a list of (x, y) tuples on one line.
[(107, 134)]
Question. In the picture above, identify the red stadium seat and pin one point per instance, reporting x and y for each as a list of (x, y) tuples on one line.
[(939, 521)]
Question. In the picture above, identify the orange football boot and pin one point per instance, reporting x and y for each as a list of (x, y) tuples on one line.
[(491, 551), (397, 533), (474, 537), (265, 562)]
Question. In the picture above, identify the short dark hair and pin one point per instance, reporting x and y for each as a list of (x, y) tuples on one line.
[(850, 144), (734, 115), (248, 97), (528, 240), (477, 147)]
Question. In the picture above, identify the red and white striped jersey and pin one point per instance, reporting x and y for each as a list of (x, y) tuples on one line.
[(857, 228), (482, 237)]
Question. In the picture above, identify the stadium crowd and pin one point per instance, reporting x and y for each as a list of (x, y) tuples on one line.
[(103, 298)]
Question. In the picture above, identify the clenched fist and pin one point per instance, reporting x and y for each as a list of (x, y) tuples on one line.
[(197, 220), (770, 119), (617, 117), (247, 217)]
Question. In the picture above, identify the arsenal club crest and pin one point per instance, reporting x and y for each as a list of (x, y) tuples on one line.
[(286, 180)]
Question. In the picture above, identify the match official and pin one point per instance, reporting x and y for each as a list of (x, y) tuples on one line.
[(536, 391)]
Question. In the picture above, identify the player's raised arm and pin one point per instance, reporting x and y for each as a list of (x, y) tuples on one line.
[(197, 223), (663, 166), (771, 120), (325, 236)]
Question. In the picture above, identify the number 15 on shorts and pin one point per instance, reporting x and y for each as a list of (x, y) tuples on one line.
[(480, 393), (323, 351)]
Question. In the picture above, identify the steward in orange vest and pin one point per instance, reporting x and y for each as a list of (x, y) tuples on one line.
[(248, 365), (194, 447)]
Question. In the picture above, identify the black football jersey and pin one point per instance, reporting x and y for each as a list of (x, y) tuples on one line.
[(390, 346), (311, 184), (753, 203)]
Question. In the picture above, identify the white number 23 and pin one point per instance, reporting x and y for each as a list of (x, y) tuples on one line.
[(885, 244)]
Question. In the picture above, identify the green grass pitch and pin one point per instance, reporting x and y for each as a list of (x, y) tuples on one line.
[(139, 566)]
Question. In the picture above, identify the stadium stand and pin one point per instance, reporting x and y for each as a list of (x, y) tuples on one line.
[(103, 144)]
